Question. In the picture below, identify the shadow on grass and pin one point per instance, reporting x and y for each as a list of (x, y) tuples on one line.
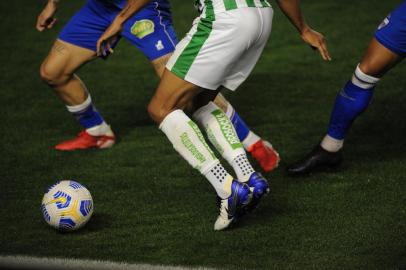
[(98, 222)]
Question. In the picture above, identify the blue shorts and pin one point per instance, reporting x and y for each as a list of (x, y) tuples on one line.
[(392, 32), (150, 30)]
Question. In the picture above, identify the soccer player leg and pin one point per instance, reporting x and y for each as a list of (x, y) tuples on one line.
[(76, 46), (260, 149), (236, 56), (222, 135), (351, 101), (166, 109), (58, 71)]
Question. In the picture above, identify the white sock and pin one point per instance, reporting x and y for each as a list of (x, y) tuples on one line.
[(251, 138), (80, 107), (222, 135), (100, 130), (330, 144), (188, 140)]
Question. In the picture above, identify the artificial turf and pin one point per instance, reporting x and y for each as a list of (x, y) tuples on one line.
[(151, 207)]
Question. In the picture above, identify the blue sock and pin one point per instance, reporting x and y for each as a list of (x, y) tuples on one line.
[(246, 136), (86, 114), (240, 126), (350, 102)]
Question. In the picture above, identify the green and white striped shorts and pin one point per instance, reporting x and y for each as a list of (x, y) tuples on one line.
[(222, 49)]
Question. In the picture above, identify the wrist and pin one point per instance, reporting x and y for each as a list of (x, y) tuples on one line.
[(53, 3), (304, 29)]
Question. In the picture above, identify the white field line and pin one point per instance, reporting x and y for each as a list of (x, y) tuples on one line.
[(26, 262)]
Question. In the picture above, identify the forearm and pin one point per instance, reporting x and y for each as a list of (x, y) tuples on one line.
[(132, 7), (292, 10)]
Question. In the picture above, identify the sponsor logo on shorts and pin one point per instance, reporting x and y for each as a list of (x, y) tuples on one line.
[(143, 28)]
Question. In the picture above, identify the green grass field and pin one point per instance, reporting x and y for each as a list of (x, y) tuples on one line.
[(151, 207)]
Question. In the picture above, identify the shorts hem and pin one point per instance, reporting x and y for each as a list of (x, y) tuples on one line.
[(73, 42), (155, 57), (230, 86), (389, 46), (194, 81)]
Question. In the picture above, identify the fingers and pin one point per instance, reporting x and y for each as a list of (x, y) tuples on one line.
[(98, 47), (51, 23), (108, 47), (43, 23), (104, 47), (323, 50), (40, 26)]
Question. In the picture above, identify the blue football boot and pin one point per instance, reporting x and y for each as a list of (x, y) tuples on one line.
[(259, 187), (230, 207)]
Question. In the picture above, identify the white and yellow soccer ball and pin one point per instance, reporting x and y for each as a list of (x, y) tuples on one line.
[(67, 205)]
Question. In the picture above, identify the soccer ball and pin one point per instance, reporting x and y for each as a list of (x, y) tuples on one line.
[(67, 205)]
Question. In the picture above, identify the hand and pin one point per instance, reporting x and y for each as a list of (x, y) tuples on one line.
[(316, 41), (46, 19), (107, 40)]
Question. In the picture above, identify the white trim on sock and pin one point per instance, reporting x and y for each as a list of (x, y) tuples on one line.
[(330, 144), (80, 107), (363, 80), (250, 140), (100, 130)]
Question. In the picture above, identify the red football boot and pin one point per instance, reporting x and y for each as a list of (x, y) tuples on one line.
[(85, 141), (264, 153)]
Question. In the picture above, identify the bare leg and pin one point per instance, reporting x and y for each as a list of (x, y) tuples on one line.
[(378, 60), (58, 71)]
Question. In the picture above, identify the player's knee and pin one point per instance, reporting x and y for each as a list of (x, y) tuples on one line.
[(157, 112), (51, 75)]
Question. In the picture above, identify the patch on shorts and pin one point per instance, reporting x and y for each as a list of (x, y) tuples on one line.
[(143, 28)]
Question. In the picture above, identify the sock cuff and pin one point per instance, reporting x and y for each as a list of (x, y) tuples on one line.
[(331, 144), (363, 80), (80, 107), (201, 112), (171, 117)]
